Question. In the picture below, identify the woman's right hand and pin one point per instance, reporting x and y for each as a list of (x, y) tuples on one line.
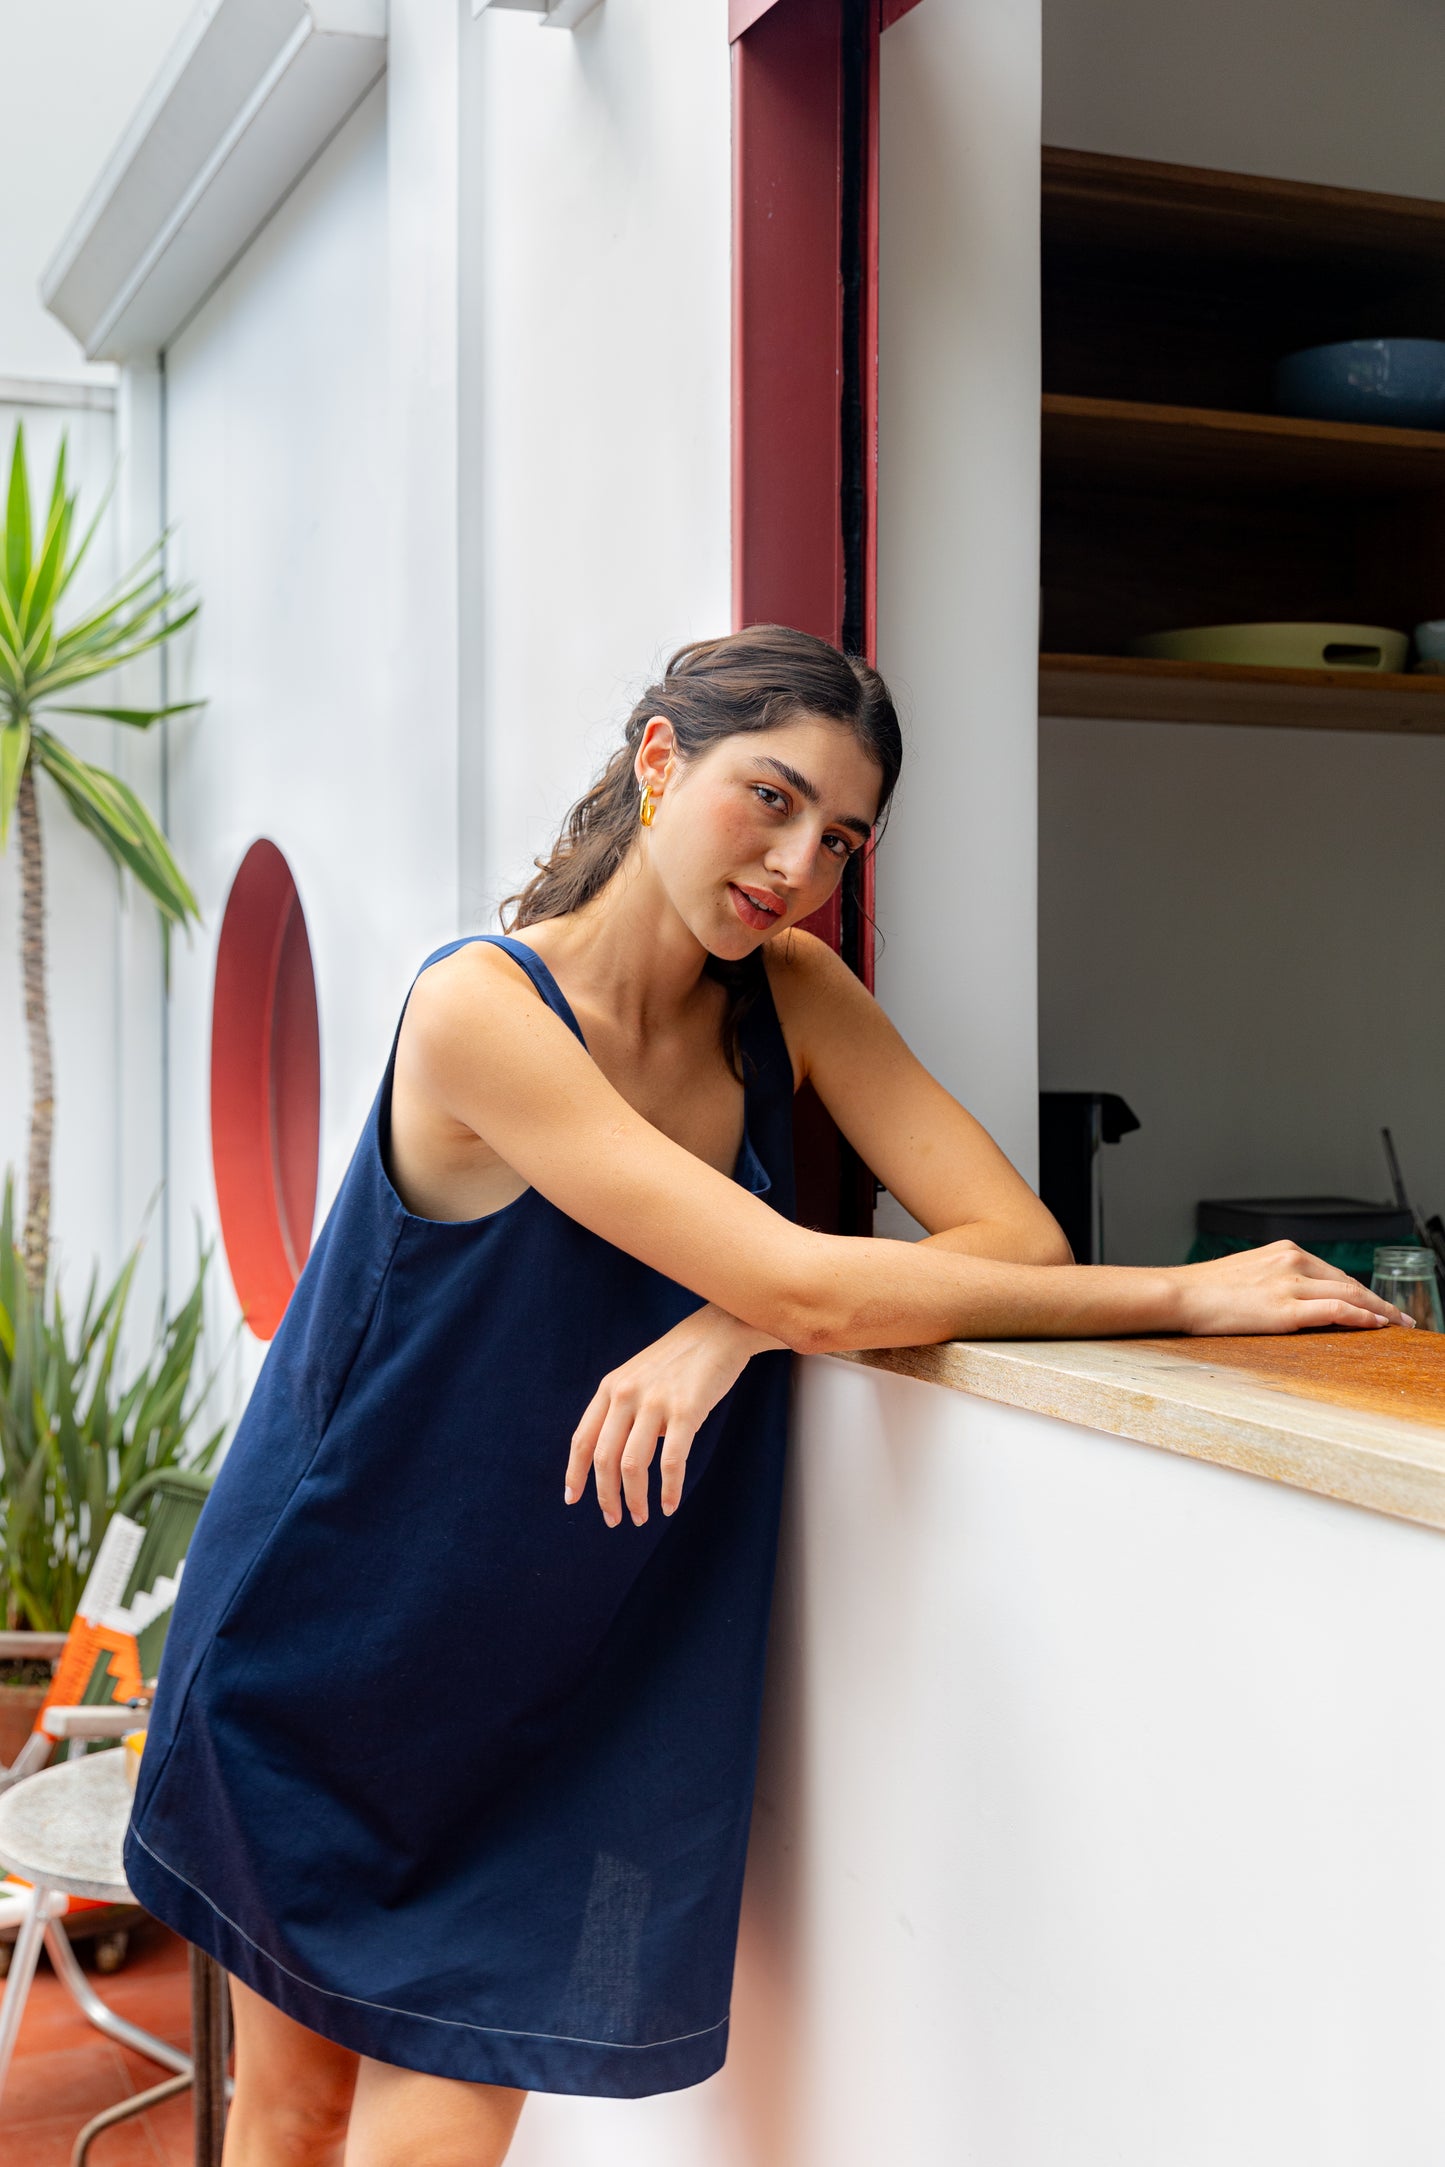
[(1278, 1288), (665, 1392)]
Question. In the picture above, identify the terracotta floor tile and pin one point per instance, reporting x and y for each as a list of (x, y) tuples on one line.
[(142, 2073), (163, 2007), (64, 2080), (65, 2070), (172, 2132), (49, 2144)]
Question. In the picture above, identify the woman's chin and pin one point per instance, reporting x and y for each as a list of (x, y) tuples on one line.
[(732, 943)]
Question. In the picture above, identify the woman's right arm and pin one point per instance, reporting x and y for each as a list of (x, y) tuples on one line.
[(494, 1056)]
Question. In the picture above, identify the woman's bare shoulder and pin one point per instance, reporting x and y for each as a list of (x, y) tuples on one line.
[(811, 985), (476, 1014), (457, 989), (804, 972)]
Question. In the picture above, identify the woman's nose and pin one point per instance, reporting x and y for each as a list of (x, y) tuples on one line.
[(793, 856)]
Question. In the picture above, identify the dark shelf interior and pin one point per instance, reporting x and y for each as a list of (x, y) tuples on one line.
[(1171, 493), (1179, 286)]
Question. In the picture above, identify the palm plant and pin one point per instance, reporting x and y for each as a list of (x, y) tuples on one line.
[(41, 665), (75, 1445)]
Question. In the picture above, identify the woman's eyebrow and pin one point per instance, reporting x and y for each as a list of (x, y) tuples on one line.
[(808, 790)]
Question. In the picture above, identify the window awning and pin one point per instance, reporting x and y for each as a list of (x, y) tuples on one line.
[(244, 100)]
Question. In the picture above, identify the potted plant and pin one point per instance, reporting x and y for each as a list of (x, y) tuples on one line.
[(78, 1444)]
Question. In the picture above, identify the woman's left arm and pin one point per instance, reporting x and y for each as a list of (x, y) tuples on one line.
[(926, 1149)]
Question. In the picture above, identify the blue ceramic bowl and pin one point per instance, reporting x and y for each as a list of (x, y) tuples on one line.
[(1397, 382)]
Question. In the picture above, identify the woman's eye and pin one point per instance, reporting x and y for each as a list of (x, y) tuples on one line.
[(769, 795), (843, 847)]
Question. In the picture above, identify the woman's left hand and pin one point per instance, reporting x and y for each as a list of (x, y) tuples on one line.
[(664, 1392)]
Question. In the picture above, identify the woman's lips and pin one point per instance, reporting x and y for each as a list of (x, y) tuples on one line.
[(751, 913)]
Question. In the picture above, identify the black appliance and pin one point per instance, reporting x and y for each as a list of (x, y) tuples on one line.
[(1308, 1220), (1072, 1126)]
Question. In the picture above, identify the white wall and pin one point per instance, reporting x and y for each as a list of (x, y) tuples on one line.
[(1096, 1821), (958, 551), (1308, 90), (72, 70), (280, 479), (1235, 925), (1237, 932), (595, 304)]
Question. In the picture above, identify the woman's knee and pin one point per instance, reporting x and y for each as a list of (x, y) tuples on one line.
[(406, 2118), (293, 2091)]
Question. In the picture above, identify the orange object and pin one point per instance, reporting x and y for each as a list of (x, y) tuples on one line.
[(72, 1676), (77, 1661)]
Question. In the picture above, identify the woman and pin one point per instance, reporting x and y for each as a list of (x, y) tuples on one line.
[(451, 1770)]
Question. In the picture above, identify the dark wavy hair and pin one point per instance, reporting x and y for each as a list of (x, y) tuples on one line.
[(750, 680)]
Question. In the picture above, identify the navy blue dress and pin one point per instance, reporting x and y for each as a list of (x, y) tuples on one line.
[(449, 1770)]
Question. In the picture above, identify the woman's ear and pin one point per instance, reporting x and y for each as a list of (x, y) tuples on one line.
[(656, 749)]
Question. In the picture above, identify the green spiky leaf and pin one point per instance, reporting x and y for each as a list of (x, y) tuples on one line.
[(139, 718), (15, 558), (117, 818), (14, 752)]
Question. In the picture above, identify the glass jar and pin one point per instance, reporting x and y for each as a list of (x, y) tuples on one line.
[(1407, 1277)]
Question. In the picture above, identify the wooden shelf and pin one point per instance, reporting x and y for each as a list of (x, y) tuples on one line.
[(1184, 286), (1128, 688), (1142, 205), (1171, 492), (1131, 443)]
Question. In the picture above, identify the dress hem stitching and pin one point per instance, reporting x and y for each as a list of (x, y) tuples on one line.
[(620, 2046)]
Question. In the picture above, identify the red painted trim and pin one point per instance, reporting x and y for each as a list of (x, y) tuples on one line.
[(265, 1086), (787, 321), (870, 438), (893, 9), (788, 559)]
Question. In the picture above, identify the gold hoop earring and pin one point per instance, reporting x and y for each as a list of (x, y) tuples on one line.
[(647, 808)]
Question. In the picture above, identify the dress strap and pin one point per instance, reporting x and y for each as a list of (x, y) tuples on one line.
[(545, 984), (540, 976)]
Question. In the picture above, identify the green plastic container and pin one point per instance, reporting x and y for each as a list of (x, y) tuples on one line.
[(1341, 1230)]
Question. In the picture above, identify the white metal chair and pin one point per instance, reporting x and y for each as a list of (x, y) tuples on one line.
[(61, 1834)]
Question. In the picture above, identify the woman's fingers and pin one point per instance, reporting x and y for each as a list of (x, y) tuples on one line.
[(673, 1465), (584, 1442), (606, 1459), (1312, 1267), (1361, 1298), (1281, 1287), (1364, 1305), (618, 1440), (637, 1458), (1334, 1309), (665, 1392)]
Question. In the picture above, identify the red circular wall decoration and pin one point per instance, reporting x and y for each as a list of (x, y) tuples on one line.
[(265, 1086)]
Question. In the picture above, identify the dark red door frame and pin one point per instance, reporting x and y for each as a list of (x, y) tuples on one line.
[(805, 396)]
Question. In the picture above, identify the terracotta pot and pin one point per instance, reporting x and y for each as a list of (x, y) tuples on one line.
[(18, 1707)]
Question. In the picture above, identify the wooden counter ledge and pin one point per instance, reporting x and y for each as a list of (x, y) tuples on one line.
[(1358, 1416)]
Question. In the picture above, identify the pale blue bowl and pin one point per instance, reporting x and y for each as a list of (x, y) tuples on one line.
[(1399, 383)]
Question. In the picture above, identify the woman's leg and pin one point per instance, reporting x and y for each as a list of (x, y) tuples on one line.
[(404, 2118), (293, 2089)]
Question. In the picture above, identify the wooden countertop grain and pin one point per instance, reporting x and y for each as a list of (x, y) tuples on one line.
[(1358, 1416), (1392, 1371)]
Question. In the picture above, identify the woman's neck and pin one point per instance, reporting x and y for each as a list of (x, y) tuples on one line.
[(626, 955)]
